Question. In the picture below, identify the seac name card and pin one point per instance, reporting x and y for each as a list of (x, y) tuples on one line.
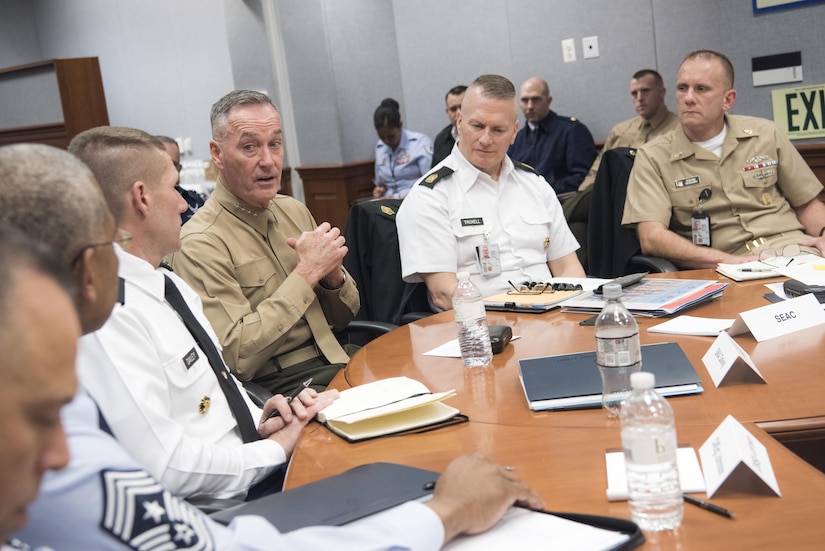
[(733, 458), (779, 319), (725, 361)]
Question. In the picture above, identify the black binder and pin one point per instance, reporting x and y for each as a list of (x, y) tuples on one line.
[(573, 381), (370, 489)]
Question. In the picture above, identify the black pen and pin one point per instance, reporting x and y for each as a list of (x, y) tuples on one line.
[(294, 394), (754, 270), (707, 506)]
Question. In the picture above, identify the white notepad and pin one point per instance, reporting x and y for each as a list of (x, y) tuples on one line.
[(690, 474)]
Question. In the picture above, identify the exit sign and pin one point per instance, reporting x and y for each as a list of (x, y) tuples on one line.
[(800, 111)]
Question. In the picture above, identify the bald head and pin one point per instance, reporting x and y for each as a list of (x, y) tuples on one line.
[(535, 99)]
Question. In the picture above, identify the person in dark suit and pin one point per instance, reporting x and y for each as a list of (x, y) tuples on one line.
[(445, 140), (560, 148)]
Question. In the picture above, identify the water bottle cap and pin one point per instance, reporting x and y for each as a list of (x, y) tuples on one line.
[(612, 290), (463, 275), (642, 380)]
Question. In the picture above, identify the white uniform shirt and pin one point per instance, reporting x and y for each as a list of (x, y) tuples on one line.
[(440, 226), (76, 509), (135, 369)]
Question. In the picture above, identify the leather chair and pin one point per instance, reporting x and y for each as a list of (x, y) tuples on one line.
[(613, 250), (374, 261)]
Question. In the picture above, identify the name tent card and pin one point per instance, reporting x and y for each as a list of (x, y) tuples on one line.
[(779, 319), (726, 361), (733, 459)]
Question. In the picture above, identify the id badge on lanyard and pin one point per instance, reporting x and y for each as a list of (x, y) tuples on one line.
[(487, 254), (700, 222)]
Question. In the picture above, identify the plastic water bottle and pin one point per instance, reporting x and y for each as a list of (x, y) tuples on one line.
[(649, 442), (473, 334), (618, 352)]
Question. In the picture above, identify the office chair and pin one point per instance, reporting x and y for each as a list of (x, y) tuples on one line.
[(577, 213), (374, 261), (613, 250)]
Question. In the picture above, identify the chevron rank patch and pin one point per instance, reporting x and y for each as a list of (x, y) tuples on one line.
[(141, 514)]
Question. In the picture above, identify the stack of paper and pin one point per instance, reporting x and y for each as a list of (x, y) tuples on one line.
[(653, 297), (764, 269)]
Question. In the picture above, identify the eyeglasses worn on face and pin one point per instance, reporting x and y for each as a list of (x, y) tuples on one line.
[(122, 238)]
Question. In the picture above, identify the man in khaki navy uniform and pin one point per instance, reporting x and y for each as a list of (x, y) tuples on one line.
[(654, 119), (758, 192), (271, 280)]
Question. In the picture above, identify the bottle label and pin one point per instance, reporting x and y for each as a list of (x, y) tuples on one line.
[(469, 312), (618, 352), (649, 448)]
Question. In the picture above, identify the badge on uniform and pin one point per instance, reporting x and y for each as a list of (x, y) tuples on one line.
[(140, 513), (203, 405), (489, 262), (700, 221), (190, 358)]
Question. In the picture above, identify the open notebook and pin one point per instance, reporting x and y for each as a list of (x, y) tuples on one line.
[(386, 407)]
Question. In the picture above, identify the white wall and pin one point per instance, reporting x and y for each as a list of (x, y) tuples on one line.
[(165, 62)]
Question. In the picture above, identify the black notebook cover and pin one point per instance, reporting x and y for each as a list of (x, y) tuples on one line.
[(572, 381), (339, 499), (370, 489)]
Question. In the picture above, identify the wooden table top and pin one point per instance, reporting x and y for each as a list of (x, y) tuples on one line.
[(561, 454)]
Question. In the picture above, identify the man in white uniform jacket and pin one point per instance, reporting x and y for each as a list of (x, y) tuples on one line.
[(150, 378), (103, 499)]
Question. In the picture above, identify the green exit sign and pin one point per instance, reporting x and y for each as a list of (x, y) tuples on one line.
[(800, 111)]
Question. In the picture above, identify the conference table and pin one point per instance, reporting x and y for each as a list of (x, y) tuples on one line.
[(562, 453)]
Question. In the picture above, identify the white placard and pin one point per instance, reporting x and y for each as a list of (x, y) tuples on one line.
[(726, 361), (690, 475), (733, 458), (780, 318)]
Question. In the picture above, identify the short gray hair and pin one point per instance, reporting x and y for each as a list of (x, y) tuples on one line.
[(52, 197), (222, 107), (495, 86)]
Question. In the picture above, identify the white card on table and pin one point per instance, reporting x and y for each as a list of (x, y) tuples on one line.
[(780, 318), (690, 475), (734, 459), (726, 361)]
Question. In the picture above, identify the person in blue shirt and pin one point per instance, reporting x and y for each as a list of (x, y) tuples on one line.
[(560, 148), (193, 199), (401, 156)]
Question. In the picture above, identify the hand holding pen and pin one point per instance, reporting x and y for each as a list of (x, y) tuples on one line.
[(294, 394)]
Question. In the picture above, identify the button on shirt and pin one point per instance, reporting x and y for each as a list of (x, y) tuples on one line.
[(161, 397), (439, 227), (398, 170)]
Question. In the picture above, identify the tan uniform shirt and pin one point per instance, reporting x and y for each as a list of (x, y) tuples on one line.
[(633, 132), (252, 298), (759, 179)]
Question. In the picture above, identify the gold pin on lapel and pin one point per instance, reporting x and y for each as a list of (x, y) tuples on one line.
[(203, 405), (546, 242)]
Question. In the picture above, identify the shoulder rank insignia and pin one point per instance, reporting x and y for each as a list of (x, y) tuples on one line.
[(387, 210), (525, 166), (433, 178)]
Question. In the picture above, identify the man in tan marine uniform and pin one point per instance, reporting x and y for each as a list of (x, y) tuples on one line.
[(758, 192)]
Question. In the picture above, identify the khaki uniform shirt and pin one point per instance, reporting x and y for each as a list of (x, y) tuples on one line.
[(755, 185), (252, 298), (633, 132)]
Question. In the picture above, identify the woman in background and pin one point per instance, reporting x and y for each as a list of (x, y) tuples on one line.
[(401, 156)]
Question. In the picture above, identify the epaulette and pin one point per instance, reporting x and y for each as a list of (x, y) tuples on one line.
[(525, 166), (433, 178)]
